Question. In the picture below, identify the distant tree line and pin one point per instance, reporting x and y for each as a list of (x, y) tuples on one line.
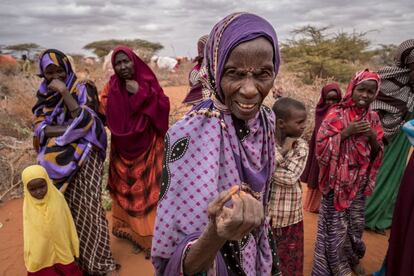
[(313, 52), (103, 47)]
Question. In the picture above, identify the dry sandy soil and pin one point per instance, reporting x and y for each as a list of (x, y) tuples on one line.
[(11, 236), (11, 246)]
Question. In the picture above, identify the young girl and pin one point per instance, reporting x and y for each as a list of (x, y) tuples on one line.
[(71, 143), (50, 239), (349, 150), (330, 94)]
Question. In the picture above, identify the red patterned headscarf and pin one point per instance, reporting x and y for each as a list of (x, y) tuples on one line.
[(346, 166)]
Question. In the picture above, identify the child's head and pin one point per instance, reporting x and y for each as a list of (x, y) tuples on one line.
[(35, 180), (332, 97), (364, 93), (37, 188), (290, 117)]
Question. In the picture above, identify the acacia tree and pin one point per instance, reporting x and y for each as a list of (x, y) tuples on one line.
[(103, 47), (27, 47), (384, 55), (312, 52)]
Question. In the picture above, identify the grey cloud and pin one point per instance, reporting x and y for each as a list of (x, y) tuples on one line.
[(177, 24)]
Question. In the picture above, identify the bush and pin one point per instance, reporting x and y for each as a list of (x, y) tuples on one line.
[(313, 53)]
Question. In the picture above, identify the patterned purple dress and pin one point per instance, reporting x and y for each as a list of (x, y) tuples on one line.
[(209, 151)]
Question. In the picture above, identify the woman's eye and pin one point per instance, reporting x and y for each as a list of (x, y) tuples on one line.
[(233, 73)]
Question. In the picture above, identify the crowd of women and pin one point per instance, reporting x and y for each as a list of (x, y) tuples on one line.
[(218, 192)]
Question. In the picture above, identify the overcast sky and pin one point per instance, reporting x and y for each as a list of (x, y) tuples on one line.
[(177, 24)]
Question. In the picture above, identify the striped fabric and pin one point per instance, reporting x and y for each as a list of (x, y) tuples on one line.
[(84, 199), (339, 245), (396, 98)]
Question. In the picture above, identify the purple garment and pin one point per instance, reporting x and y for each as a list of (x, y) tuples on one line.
[(174, 265), (207, 153), (400, 257), (63, 155)]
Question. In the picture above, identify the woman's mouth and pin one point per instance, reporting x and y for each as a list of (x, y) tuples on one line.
[(246, 107), (362, 102)]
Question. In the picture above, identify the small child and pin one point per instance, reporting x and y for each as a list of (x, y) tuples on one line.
[(50, 238), (330, 95), (285, 208)]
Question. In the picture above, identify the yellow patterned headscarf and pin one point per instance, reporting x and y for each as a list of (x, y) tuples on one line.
[(48, 229)]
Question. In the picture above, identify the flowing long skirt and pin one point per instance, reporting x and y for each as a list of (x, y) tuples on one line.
[(84, 199), (290, 248), (339, 245), (135, 187)]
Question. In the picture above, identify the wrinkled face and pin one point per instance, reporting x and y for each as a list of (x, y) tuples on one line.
[(37, 188), (411, 74), (331, 98), (248, 76), (53, 72), (295, 123), (364, 93), (124, 67)]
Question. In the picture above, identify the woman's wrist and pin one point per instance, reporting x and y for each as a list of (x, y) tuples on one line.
[(210, 233)]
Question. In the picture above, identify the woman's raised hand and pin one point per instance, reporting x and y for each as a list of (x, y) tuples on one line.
[(233, 223)]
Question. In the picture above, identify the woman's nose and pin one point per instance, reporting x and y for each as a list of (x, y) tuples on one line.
[(248, 89)]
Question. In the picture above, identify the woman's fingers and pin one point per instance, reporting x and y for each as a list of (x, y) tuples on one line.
[(217, 204), (253, 213)]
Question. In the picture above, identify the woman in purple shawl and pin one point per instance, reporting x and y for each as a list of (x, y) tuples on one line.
[(71, 144), (218, 161)]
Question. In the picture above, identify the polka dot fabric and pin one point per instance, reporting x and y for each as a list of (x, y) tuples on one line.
[(210, 158)]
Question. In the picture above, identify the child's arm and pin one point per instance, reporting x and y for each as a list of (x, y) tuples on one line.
[(372, 139), (289, 171), (354, 128)]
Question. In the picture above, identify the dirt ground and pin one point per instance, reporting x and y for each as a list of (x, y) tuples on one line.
[(11, 246), (11, 236)]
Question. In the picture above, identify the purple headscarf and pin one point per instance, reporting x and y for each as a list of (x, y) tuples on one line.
[(63, 155), (206, 153), (241, 29)]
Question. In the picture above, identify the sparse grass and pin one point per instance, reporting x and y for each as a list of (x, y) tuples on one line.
[(17, 96)]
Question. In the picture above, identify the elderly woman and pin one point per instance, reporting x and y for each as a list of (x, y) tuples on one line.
[(218, 161), (136, 111), (196, 95), (71, 144), (395, 105)]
